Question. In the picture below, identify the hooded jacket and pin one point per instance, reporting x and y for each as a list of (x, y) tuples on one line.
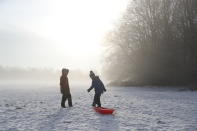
[(64, 85), (98, 85)]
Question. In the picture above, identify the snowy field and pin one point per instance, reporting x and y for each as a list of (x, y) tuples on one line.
[(137, 109)]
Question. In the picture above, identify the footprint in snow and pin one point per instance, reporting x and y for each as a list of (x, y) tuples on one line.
[(116, 96), (161, 122), (12, 129), (17, 108), (67, 121), (7, 105)]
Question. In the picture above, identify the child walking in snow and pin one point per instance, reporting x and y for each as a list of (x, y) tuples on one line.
[(64, 88), (99, 88)]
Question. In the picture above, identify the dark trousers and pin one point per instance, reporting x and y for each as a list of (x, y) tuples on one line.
[(64, 98), (97, 100)]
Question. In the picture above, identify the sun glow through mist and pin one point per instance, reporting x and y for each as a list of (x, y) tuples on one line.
[(74, 28), (78, 27)]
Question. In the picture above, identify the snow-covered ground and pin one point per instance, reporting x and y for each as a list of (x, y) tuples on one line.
[(137, 109)]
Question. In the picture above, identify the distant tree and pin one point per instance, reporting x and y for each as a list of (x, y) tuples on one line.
[(154, 43)]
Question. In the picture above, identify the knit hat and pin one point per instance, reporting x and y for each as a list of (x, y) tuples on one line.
[(91, 74), (65, 70)]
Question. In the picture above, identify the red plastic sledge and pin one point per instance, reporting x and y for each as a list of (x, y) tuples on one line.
[(103, 110)]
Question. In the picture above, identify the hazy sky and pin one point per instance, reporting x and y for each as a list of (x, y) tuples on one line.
[(55, 33)]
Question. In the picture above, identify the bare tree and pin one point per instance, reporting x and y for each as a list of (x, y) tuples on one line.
[(154, 43)]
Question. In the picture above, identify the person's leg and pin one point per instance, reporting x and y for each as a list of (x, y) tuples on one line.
[(98, 100), (63, 101), (70, 100), (94, 101)]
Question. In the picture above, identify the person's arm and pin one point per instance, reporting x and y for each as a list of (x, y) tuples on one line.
[(67, 83), (61, 84), (103, 86), (91, 87), (61, 81)]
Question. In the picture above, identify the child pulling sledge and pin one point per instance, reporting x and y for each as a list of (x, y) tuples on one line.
[(99, 88)]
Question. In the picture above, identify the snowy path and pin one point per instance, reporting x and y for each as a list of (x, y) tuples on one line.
[(139, 109)]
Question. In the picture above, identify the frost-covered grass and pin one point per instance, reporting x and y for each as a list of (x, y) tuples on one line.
[(38, 109)]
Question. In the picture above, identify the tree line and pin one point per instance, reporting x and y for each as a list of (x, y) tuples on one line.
[(154, 43)]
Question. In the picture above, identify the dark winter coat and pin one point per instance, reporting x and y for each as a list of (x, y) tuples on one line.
[(98, 85), (64, 85)]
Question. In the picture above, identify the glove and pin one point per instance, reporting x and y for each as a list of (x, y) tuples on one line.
[(88, 90), (105, 90)]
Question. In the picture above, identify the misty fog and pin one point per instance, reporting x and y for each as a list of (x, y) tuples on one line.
[(40, 76)]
